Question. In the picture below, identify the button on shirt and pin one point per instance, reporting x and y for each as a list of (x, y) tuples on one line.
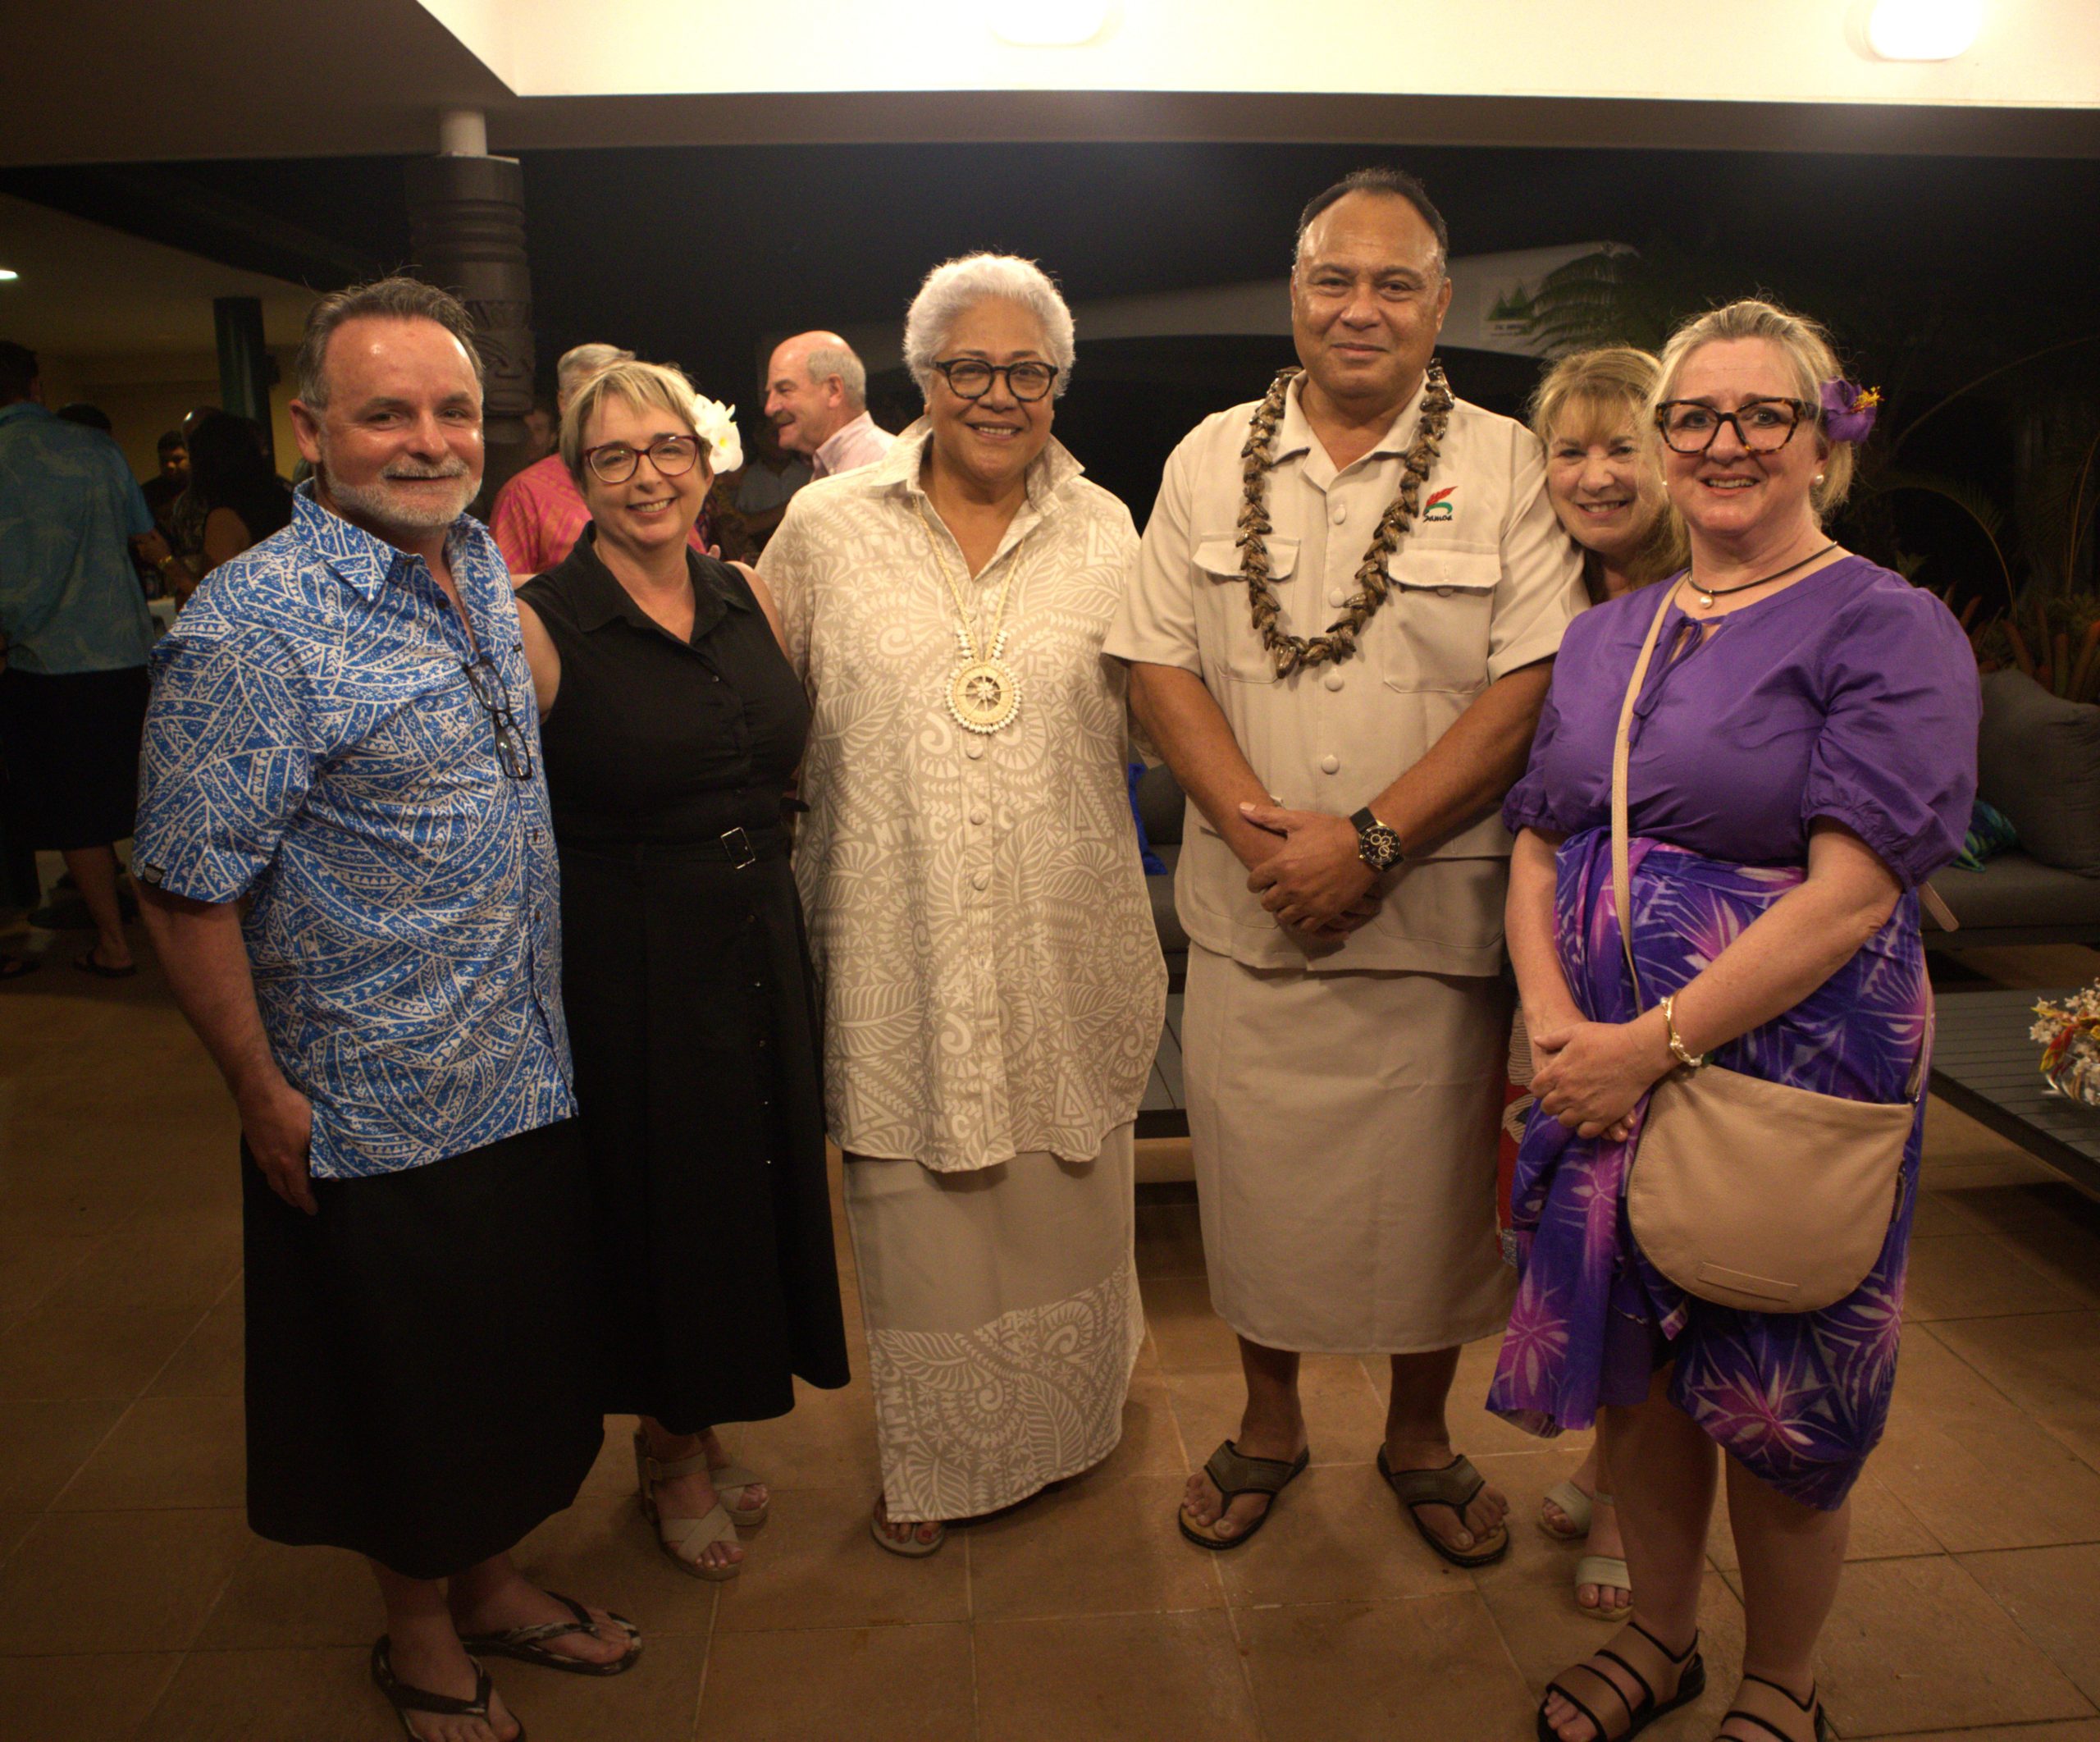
[(314, 744), (1484, 582), (978, 914), (70, 598)]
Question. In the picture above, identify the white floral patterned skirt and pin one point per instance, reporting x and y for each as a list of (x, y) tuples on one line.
[(1003, 1321)]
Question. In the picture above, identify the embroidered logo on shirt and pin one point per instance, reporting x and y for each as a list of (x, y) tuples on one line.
[(1438, 507)]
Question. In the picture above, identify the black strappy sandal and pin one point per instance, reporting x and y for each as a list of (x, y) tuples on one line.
[(528, 1644), (1690, 1683), (1233, 1474), (405, 1699), (1774, 1713)]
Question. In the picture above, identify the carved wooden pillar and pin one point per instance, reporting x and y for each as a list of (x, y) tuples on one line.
[(466, 214)]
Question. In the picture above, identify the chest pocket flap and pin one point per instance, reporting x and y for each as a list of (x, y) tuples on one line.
[(1443, 604), (1219, 558)]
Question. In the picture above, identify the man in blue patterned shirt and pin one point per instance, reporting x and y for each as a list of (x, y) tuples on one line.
[(343, 850)]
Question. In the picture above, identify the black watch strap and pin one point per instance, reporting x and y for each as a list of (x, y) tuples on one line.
[(1378, 846)]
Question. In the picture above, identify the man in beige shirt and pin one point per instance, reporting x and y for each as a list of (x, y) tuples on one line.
[(1343, 876), (816, 394)]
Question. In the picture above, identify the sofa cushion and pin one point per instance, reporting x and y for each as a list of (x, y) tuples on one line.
[(2014, 889), (2038, 759)]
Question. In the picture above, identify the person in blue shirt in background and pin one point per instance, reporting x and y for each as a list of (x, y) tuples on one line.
[(75, 627)]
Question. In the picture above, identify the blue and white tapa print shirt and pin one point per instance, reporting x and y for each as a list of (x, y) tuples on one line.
[(315, 744)]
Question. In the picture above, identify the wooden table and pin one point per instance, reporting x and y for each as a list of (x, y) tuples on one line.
[(1984, 1065)]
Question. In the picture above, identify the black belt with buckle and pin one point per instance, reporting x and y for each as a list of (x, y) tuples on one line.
[(737, 848)]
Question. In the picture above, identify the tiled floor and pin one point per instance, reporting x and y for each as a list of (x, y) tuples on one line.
[(134, 1604)]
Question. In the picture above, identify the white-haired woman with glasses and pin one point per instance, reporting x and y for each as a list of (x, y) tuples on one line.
[(672, 725), (992, 984)]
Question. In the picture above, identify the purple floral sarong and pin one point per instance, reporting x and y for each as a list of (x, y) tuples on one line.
[(1799, 1398)]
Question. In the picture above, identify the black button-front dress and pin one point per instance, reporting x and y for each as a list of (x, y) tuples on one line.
[(693, 1015)]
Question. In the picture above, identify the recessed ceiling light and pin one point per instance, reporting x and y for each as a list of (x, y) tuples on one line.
[(1049, 24), (6, 275), (1924, 30)]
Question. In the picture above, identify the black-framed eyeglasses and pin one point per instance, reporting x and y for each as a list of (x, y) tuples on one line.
[(1764, 426), (970, 379), (514, 750), (615, 462)]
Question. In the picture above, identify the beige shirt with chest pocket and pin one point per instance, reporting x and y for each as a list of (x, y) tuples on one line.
[(1486, 582)]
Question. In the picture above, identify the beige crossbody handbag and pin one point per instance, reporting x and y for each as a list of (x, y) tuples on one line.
[(1747, 1193)]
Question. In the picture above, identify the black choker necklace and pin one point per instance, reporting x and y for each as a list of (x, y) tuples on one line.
[(1708, 595)]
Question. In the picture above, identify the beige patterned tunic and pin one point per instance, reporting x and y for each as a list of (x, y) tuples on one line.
[(977, 911)]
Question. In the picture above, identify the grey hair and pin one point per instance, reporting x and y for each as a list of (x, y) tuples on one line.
[(828, 360), (580, 362), (955, 286), (399, 298)]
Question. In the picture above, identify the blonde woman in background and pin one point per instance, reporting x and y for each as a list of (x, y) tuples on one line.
[(1606, 486)]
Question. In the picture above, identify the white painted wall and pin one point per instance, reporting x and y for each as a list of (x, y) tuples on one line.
[(2032, 53)]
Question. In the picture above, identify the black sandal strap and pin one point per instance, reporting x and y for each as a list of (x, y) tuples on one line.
[(1647, 1691), (1735, 1712), (1803, 1706), (1596, 1723), (1632, 1712), (405, 1698), (1675, 1657)]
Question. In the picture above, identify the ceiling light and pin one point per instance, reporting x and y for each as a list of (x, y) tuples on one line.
[(7, 276), (1924, 30), (1049, 24)]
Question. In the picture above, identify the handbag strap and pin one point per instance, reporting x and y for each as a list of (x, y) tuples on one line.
[(1621, 755), (1621, 877)]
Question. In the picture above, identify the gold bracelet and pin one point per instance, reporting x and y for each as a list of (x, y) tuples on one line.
[(1691, 1061)]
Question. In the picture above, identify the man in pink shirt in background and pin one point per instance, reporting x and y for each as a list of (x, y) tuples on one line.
[(539, 513), (816, 395)]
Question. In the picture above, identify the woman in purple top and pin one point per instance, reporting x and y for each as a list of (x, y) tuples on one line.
[(1804, 756)]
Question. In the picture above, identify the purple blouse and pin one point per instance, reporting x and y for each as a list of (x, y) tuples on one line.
[(1852, 695)]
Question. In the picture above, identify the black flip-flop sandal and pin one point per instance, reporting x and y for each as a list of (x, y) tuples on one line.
[(1775, 1714), (87, 964), (1456, 1486), (13, 967), (405, 1699), (1690, 1684), (528, 1644), (1234, 1474)]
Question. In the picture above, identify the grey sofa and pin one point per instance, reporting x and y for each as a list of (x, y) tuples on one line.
[(2038, 762)]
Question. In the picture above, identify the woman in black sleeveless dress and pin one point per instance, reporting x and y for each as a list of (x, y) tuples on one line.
[(672, 726)]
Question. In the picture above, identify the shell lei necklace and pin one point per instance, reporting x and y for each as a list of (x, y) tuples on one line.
[(1373, 584), (984, 695)]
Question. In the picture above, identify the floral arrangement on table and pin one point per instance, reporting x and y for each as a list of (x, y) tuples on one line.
[(2070, 1044)]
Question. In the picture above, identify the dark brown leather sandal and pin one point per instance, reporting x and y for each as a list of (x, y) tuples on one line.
[(1234, 1474), (529, 1644), (405, 1699), (1455, 1486), (1593, 1692), (1769, 1706)]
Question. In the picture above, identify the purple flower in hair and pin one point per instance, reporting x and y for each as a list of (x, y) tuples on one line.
[(1848, 411)]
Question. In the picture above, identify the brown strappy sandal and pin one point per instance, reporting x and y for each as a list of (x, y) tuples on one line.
[(1233, 1474), (1597, 1688), (1457, 1485), (1769, 1706)]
